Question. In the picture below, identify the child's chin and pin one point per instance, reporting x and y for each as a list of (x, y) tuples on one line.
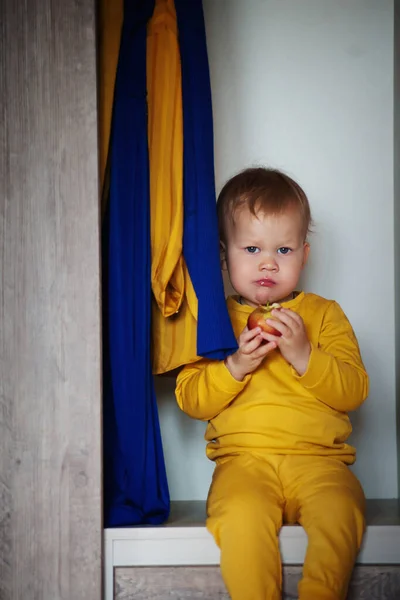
[(264, 295)]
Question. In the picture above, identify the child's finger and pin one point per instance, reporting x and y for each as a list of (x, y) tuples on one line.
[(294, 315), (251, 345), (270, 337), (279, 326), (248, 334), (289, 318), (264, 349)]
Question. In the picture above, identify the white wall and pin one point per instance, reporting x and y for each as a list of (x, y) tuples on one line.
[(307, 86)]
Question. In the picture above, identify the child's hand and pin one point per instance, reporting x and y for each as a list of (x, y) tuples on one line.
[(251, 352), (293, 344)]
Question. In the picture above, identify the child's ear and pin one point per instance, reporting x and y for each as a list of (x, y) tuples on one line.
[(222, 256), (306, 253)]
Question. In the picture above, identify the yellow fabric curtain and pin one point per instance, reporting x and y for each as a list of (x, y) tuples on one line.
[(165, 131), (174, 310)]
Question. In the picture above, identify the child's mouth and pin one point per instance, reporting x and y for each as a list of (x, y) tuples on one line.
[(266, 282)]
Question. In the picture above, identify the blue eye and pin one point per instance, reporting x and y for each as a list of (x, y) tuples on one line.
[(252, 249), (284, 250)]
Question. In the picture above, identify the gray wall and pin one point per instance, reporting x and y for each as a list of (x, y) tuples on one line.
[(50, 427)]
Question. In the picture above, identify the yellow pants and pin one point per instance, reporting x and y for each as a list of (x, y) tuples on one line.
[(249, 499)]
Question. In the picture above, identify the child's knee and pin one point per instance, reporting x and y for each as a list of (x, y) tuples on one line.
[(341, 514), (345, 505), (247, 514)]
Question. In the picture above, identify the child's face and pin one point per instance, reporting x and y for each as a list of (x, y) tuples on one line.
[(265, 255)]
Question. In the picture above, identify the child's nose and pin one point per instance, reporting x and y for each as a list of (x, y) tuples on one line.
[(268, 264)]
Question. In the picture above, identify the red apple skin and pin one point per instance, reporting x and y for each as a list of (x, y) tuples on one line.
[(258, 319)]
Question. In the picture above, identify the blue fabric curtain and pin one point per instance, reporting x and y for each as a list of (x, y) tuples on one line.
[(135, 484), (215, 337), (136, 490)]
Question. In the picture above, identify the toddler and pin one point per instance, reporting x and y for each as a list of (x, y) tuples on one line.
[(277, 409)]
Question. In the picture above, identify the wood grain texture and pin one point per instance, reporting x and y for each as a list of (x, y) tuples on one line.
[(396, 220), (205, 583), (50, 450)]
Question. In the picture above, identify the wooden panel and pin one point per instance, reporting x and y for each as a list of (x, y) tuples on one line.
[(50, 467), (396, 220), (205, 583)]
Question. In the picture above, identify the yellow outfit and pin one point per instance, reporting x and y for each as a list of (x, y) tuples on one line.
[(279, 441)]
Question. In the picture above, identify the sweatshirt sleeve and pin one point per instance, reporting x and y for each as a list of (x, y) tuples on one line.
[(205, 388), (336, 374)]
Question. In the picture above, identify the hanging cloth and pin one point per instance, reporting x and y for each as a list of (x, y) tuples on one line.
[(174, 303), (136, 490), (165, 131), (215, 337), (201, 324)]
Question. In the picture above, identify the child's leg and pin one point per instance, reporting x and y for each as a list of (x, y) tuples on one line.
[(330, 504), (244, 508)]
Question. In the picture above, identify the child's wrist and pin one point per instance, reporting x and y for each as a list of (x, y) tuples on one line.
[(301, 364), (233, 368)]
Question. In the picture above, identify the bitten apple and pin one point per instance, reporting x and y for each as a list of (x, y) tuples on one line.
[(258, 318)]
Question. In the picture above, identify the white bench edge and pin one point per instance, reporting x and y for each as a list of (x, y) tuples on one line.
[(180, 546)]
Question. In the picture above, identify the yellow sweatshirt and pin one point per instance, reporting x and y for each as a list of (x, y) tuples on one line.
[(274, 410)]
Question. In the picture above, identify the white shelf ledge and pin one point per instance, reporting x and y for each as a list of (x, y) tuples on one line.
[(184, 540)]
